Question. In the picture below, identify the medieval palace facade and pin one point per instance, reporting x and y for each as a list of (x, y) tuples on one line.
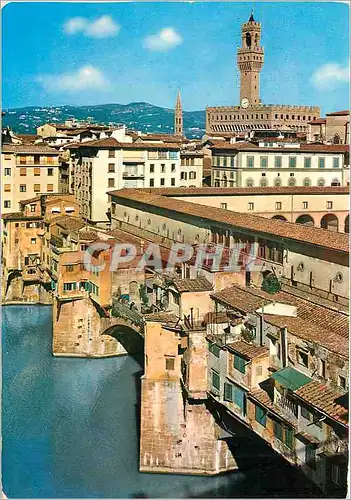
[(251, 113)]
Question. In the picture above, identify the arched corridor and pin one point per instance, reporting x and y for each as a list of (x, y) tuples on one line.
[(280, 217), (347, 224), (306, 220), (330, 222)]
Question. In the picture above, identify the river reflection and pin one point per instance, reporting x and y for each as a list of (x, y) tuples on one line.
[(70, 426)]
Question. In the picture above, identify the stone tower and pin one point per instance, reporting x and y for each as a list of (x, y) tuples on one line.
[(250, 62), (178, 116)]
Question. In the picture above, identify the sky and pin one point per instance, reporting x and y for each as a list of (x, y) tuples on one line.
[(96, 53)]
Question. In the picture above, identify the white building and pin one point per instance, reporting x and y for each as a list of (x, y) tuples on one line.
[(279, 163), (100, 166), (191, 168)]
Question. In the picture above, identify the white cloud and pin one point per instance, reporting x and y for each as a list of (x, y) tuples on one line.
[(102, 27), (85, 78), (165, 39), (330, 75)]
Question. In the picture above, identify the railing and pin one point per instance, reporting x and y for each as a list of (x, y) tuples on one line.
[(120, 310), (126, 175), (286, 405)]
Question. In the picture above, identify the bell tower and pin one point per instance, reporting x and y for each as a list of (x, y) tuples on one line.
[(178, 116), (250, 61)]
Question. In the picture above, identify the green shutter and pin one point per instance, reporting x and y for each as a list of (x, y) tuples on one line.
[(239, 363), (216, 382), (278, 430), (228, 392), (239, 399), (260, 416), (289, 437)]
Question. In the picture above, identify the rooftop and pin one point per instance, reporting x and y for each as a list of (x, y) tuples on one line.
[(28, 148), (110, 142), (192, 285), (248, 351), (20, 216), (290, 231), (344, 112), (303, 148), (324, 399), (264, 399)]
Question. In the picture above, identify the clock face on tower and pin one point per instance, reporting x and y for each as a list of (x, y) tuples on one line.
[(244, 102)]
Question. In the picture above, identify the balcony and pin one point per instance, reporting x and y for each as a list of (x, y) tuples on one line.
[(133, 175), (288, 407)]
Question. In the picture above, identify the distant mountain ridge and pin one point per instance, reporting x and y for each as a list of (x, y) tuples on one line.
[(135, 115)]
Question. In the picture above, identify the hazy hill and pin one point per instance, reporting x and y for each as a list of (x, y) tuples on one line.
[(136, 115)]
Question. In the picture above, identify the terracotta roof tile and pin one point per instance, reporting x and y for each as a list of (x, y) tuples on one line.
[(69, 222), (298, 232), (319, 121), (344, 112), (162, 317), (27, 148), (20, 216), (304, 148), (110, 142), (249, 191), (324, 399), (192, 285), (249, 351)]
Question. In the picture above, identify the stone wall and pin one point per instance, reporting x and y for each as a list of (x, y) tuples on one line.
[(32, 293), (177, 437), (76, 331)]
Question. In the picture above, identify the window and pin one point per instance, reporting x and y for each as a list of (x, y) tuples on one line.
[(232, 161), (7, 204), (7, 171), (33, 241), (50, 188), (7, 188), (335, 182), (305, 413), (260, 416), (173, 181), (277, 181), (278, 162), (173, 168), (250, 161), (305, 204), (329, 205), (36, 171), (278, 205), (50, 172), (173, 155), (310, 455), (278, 430), (239, 399), (111, 153), (163, 168), (69, 287), (336, 162), (302, 358), (322, 368), (224, 206), (183, 176), (292, 182), (249, 182), (321, 182), (342, 382), (250, 206), (36, 188), (152, 168), (307, 162), (214, 349), (152, 182), (288, 437), (292, 161), (111, 167), (162, 181), (228, 392), (32, 208), (111, 182), (216, 381), (36, 159), (264, 161), (321, 162), (23, 160), (69, 268), (23, 171), (23, 188), (192, 175), (239, 363), (263, 182), (170, 362), (307, 182)]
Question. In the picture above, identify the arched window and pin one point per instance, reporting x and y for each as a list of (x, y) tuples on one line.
[(335, 182), (278, 181), (307, 182), (249, 182), (264, 182), (336, 139), (292, 182), (321, 182)]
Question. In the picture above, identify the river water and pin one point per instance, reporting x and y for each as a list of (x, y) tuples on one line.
[(69, 426)]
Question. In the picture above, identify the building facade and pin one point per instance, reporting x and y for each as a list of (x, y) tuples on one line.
[(27, 171), (251, 113)]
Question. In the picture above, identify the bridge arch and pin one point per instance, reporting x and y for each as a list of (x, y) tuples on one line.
[(305, 219), (330, 222)]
